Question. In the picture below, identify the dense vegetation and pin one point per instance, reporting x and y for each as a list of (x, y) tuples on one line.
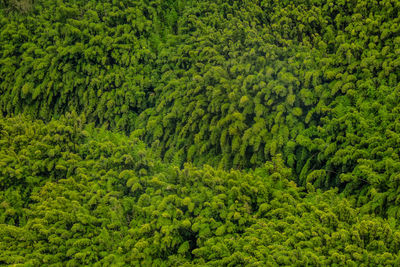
[(78, 196), (199, 132)]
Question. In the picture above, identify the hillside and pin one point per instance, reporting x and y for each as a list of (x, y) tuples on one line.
[(199, 132), (77, 196)]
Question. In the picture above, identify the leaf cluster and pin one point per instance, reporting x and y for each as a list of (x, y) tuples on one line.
[(107, 201)]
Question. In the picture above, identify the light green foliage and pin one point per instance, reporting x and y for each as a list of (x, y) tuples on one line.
[(219, 133), (106, 201)]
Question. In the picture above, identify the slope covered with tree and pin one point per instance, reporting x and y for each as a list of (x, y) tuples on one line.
[(77, 196), (199, 132)]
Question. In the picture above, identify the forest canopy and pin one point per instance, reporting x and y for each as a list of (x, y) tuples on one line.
[(253, 132), (79, 196)]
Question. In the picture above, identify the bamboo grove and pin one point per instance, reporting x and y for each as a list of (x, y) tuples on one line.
[(180, 133)]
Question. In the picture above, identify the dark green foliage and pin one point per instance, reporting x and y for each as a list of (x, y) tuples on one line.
[(227, 83), (93, 57), (104, 200), (199, 132)]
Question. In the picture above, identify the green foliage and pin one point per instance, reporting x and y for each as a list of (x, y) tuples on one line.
[(105, 200), (93, 57), (226, 83), (293, 97)]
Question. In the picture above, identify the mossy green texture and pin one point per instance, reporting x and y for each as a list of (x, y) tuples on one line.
[(77, 196), (185, 132)]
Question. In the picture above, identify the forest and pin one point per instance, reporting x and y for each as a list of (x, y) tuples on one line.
[(200, 133)]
